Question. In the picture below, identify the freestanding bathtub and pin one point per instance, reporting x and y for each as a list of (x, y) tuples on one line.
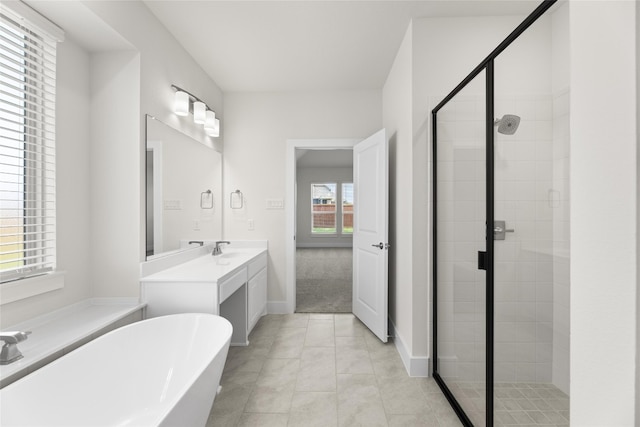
[(163, 371)]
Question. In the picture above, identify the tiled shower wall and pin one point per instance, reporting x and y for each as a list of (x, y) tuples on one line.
[(531, 272), (524, 260)]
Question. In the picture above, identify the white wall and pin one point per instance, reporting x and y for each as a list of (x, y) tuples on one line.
[(102, 99), (72, 187), (396, 113), (314, 175), (257, 127), (603, 212)]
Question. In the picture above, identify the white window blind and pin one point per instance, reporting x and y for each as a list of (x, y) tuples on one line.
[(27, 144)]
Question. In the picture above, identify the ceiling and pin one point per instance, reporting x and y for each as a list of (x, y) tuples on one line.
[(274, 46)]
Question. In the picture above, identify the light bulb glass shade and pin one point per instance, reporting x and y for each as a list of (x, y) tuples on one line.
[(199, 112), (216, 130), (210, 121), (181, 103)]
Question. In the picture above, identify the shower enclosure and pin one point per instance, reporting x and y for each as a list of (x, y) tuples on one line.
[(500, 232)]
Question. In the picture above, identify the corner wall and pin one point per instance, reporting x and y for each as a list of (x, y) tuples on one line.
[(396, 113)]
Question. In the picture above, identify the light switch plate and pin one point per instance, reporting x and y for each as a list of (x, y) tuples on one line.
[(275, 204)]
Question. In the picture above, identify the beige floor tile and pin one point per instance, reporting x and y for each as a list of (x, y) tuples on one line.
[(263, 420), (278, 373), (353, 360), (359, 401), (403, 396), (347, 325), (270, 399), (317, 369), (311, 409), (320, 333), (426, 420), (295, 320), (320, 316), (357, 342)]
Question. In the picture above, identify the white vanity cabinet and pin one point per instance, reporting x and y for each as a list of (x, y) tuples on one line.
[(232, 285), (257, 289)]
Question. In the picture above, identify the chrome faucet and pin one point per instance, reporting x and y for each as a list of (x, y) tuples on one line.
[(9, 352), (218, 250)]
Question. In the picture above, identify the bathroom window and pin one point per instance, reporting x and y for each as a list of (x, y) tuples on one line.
[(323, 208), (27, 143)]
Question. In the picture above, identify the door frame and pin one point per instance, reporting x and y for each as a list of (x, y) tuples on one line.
[(289, 305)]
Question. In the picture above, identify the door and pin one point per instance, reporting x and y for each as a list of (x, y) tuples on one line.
[(460, 251), (370, 232)]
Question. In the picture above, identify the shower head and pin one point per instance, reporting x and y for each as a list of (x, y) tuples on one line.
[(508, 124)]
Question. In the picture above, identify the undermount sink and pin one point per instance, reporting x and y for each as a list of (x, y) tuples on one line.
[(229, 255)]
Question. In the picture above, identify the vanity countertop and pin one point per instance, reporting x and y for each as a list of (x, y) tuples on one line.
[(208, 268)]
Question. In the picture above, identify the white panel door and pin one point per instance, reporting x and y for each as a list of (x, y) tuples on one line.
[(370, 232)]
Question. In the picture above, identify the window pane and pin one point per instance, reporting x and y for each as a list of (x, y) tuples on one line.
[(347, 208), (323, 208)]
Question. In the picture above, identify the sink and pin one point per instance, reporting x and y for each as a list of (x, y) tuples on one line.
[(230, 255)]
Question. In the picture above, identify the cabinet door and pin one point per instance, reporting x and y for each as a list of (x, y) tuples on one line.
[(257, 299)]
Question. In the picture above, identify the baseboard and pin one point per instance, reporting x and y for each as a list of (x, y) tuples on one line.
[(277, 307), (324, 245), (416, 366)]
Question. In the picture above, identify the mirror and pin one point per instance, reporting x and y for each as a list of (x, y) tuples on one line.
[(183, 190)]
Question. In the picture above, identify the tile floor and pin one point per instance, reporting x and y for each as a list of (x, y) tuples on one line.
[(323, 370), (324, 280), (517, 404)]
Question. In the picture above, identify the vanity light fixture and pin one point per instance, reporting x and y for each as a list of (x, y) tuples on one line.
[(181, 103), (202, 114), (199, 112), (210, 121)]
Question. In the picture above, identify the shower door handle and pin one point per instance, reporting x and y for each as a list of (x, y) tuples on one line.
[(500, 230)]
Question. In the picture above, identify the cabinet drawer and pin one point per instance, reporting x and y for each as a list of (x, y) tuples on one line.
[(257, 264), (230, 285)]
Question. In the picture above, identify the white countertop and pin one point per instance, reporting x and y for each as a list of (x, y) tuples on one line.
[(208, 268)]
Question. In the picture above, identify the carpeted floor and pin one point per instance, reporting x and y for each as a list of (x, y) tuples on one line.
[(324, 280)]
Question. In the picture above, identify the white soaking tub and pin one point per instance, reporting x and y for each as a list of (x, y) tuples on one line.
[(163, 371)]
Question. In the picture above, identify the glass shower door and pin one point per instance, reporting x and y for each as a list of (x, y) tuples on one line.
[(460, 163)]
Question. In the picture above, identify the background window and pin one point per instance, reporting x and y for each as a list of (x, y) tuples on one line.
[(323, 208), (347, 208)]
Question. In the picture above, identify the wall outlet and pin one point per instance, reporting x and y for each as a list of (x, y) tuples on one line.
[(251, 224)]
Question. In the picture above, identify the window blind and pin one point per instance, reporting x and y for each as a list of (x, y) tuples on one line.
[(27, 144)]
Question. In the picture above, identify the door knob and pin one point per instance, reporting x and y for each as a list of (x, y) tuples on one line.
[(379, 245)]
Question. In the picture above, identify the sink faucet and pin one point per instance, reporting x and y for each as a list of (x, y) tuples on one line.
[(217, 250), (9, 352)]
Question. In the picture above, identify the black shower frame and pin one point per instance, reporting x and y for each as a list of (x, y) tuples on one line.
[(486, 65)]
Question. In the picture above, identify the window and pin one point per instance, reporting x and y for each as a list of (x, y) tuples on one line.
[(327, 216), (347, 208), (323, 208), (27, 142)]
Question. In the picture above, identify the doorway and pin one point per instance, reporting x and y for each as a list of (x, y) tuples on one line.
[(324, 230), (370, 226)]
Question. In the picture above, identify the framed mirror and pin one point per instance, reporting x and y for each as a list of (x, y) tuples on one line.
[(183, 183)]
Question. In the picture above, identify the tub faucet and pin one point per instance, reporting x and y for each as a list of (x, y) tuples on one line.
[(9, 352), (218, 250)]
